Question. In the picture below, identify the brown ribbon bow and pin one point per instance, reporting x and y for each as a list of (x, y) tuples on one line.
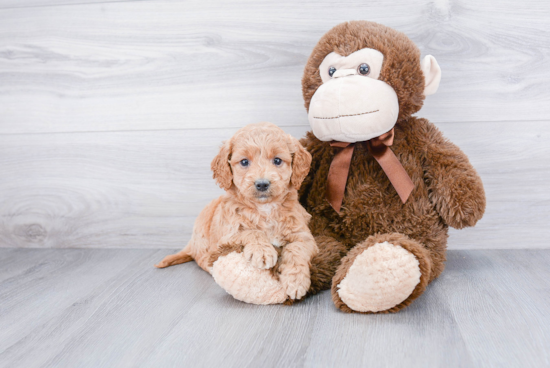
[(379, 149)]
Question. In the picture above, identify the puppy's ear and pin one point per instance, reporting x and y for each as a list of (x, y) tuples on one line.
[(221, 168), (301, 162)]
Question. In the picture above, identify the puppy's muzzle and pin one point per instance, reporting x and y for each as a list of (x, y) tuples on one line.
[(262, 185)]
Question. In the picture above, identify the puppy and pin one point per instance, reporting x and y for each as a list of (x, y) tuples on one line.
[(260, 167)]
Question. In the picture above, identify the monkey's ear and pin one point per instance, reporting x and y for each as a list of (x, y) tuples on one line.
[(301, 162), (221, 168), (432, 74)]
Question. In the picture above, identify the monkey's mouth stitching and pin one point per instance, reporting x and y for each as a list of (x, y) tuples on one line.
[(343, 116)]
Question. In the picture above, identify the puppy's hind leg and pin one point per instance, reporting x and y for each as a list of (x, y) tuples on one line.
[(174, 259)]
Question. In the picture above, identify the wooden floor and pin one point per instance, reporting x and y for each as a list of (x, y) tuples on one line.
[(111, 308)]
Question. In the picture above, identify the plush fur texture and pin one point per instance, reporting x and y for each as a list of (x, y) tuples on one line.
[(269, 228), (250, 284), (447, 189), (395, 239), (380, 277)]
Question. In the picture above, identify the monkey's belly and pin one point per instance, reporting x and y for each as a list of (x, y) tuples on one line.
[(377, 212)]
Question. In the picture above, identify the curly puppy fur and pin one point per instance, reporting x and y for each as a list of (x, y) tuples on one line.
[(447, 189), (269, 227)]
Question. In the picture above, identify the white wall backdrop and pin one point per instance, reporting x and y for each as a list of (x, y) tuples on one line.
[(111, 111)]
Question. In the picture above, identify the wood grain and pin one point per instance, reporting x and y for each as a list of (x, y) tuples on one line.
[(110, 112), (144, 189), (13, 4), (513, 293), (72, 278), (107, 308), (175, 65)]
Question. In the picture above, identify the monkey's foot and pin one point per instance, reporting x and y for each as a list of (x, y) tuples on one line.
[(381, 277), (246, 282), (385, 273)]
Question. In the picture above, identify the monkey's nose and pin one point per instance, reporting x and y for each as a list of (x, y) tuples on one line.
[(262, 184)]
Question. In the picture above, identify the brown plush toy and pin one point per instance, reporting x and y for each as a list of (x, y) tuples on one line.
[(384, 186)]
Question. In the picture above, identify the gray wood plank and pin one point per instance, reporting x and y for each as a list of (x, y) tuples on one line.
[(240, 335), (426, 334), (53, 283), (173, 65), (506, 225), (500, 302), (488, 309), (15, 264), (13, 4), (144, 189), (118, 321)]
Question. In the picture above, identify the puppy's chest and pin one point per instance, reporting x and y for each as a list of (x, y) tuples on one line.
[(273, 228)]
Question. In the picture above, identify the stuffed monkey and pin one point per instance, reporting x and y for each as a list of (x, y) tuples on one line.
[(384, 185)]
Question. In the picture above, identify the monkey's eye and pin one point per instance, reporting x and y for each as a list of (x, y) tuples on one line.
[(363, 69), (331, 71), (244, 162), (277, 161)]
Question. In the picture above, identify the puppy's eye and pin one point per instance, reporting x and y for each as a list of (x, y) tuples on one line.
[(364, 69), (331, 71), (277, 161), (244, 162)]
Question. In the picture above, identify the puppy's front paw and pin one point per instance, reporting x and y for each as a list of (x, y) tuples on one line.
[(296, 285), (260, 255)]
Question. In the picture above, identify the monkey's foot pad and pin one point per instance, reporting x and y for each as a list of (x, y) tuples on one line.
[(380, 278)]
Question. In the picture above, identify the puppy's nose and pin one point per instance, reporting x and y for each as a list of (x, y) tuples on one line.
[(262, 184)]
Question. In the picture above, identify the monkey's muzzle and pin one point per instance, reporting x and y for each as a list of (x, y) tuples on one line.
[(353, 108)]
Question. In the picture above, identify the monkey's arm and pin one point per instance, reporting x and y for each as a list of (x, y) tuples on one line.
[(455, 187)]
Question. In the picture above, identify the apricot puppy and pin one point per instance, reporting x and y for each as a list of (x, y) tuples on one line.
[(258, 226)]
